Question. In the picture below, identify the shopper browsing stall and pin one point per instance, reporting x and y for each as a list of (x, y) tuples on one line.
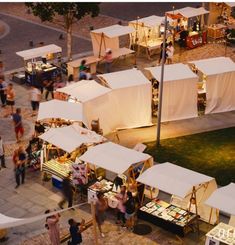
[(75, 230), (121, 197)]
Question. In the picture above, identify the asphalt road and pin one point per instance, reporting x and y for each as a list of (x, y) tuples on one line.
[(129, 11), (21, 32)]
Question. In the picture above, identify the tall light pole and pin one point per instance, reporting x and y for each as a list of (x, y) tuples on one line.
[(161, 84)]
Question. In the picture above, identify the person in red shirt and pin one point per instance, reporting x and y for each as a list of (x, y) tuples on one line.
[(17, 120)]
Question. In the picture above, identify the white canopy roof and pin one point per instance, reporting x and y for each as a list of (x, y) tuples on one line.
[(60, 109), (39, 52), (189, 12), (172, 179), (223, 199), (126, 78), (215, 66), (149, 21), (231, 4), (85, 90), (172, 72), (113, 157), (114, 31), (71, 137)]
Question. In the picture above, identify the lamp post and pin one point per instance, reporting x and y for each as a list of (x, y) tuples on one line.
[(161, 84)]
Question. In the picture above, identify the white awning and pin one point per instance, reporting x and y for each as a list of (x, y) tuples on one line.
[(172, 179), (172, 72), (71, 137), (150, 21), (61, 109), (213, 66), (39, 52), (113, 157), (114, 31), (223, 199), (189, 12), (124, 79), (84, 90)]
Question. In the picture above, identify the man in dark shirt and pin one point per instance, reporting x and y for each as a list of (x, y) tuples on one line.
[(75, 230), (17, 120), (20, 166)]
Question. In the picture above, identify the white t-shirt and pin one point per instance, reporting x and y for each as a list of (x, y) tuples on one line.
[(1, 148), (170, 51), (35, 94)]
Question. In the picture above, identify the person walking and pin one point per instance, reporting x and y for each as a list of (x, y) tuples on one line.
[(130, 210), (10, 96), (67, 190), (49, 86), (170, 53), (75, 230), (121, 197), (35, 97), (53, 226), (3, 88), (19, 160), (100, 206), (17, 120), (2, 157)]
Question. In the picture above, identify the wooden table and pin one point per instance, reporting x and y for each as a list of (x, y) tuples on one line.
[(73, 66), (216, 31)]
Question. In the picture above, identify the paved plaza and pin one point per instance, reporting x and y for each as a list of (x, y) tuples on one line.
[(35, 196)]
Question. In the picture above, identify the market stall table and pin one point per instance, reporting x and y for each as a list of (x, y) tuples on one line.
[(216, 31), (221, 234), (73, 66)]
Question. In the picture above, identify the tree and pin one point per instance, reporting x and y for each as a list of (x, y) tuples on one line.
[(65, 14)]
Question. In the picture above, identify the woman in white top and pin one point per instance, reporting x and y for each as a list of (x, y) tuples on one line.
[(170, 53), (35, 97)]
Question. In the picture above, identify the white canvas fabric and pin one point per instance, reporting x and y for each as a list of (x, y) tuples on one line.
[(131, 95), (189, 12), (96, 103), (179, 92), (231, 4), (39, 52), (61, 109), (223, 199), (220, 85), (113, 157), (71, 137), (108, 37), (150, 21), (172, 179)]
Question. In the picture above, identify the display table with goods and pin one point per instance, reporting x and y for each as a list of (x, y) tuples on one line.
[(221, 234), (216, 31), (37, 67), (196, 39), (167, 216)]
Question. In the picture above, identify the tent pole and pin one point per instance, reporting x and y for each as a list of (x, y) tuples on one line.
[(210, 215), (102, 35), (161, 85), (142, 198)]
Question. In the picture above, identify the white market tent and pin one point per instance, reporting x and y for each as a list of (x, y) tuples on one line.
[(39, 52), (115, 158), (189, 12), (179, 92), (180, 182), (60, 109), (71, 137), (147, 28), (95, 102), (220, 85), (223, 199), (230, 4), (131, 95), (108, 37)]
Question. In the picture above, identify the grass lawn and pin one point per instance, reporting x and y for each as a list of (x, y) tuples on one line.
[(211, 153)]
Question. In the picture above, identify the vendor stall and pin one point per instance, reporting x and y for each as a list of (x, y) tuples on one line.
[(75, 140), (179, 93), (62, 110), (119, 160), (95, 102), (147, 33), (219, 74), (190, 19), (108, 37), (189, 190), (131, 94), (216, 31), (37, 67)]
